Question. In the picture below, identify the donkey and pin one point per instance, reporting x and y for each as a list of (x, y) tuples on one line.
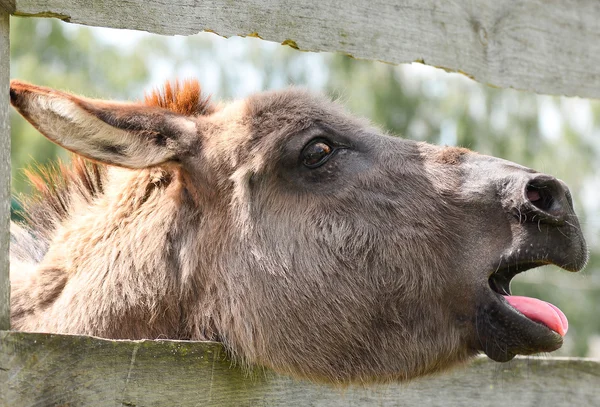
[(302, 238)]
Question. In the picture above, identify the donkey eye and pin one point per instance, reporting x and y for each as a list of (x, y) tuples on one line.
[(316, 153)]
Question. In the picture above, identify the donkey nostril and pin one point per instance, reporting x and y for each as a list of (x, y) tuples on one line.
[(533, 195), (543, 199), (541, 196)]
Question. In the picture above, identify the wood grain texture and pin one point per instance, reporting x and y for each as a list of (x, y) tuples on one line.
[(4, 171), (545, 46), (60, 370), (7, 5)]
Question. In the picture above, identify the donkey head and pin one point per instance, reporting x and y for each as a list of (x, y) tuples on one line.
[(314, 244)]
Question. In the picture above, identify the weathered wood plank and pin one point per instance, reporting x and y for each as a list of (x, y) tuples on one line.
[(550, 46), (53, 370), (7, 5), (4, 171)]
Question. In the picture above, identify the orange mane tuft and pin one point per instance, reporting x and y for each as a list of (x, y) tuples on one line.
[(183, 97)]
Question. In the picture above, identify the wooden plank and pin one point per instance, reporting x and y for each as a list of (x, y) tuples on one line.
[(7, 5), (550, 46), (4, 171), (61, 370)]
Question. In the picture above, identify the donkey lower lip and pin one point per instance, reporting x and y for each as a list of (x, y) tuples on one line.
[(504, 331)]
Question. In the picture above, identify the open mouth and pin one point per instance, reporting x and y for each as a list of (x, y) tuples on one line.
[(538, 311), (509, 325)]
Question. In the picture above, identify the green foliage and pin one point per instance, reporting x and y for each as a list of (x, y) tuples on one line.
[(552, 134)]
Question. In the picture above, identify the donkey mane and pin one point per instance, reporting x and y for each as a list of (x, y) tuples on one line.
[(183, 97), (55, 185)]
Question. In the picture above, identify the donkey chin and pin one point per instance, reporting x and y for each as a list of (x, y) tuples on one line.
[(304, 239)]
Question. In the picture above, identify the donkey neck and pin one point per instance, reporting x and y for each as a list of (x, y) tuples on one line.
[(126, 244)]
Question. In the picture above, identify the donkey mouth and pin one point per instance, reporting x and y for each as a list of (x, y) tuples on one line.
[(508, 325), (536, 310)]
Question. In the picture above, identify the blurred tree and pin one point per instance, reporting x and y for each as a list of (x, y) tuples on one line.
[(552, 134)]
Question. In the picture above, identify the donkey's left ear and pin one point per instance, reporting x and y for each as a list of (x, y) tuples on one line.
[(129, 135)]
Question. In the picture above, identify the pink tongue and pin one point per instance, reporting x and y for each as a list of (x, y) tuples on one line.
[(540, 311)]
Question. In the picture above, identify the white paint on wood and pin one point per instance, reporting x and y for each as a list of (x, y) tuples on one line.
[(550, 46), (50, 370), (4, 171)]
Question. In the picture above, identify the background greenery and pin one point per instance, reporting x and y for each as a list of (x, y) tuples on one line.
[(557, 135)]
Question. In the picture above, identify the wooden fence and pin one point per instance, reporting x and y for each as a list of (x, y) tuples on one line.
[(550, 46)]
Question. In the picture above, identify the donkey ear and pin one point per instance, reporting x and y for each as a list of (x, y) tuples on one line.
[(124, 134)]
